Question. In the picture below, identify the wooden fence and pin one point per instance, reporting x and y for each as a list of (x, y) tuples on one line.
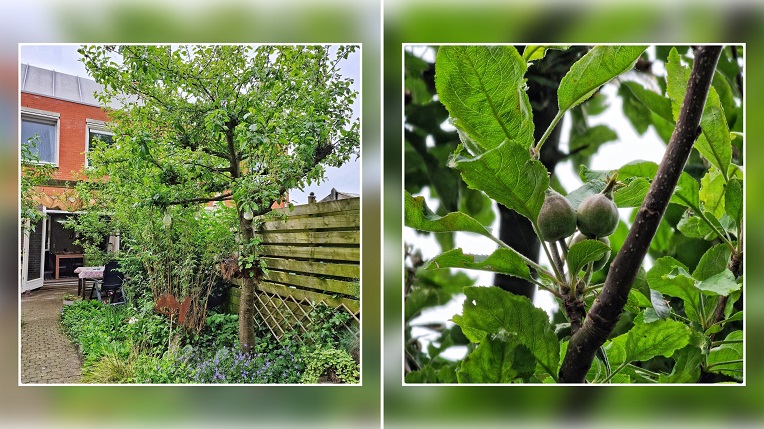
[(313, 257)]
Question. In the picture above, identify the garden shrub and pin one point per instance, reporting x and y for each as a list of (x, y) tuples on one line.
[(330, 365), (135, 344), (170, 368)]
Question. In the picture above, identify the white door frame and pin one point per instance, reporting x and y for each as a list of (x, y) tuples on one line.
[(27, 284)]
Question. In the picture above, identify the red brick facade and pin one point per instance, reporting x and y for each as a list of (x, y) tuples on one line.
[(72, 130)]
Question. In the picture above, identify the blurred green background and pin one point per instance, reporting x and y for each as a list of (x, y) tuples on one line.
[(289, 21), (361, 22), (588, 23)]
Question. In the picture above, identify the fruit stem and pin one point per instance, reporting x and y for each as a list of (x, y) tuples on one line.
[(564, 247), (537, 149), (608, 191), (557, 261), (557, 273)]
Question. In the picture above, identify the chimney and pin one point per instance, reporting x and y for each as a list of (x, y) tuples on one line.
[(312, 198)]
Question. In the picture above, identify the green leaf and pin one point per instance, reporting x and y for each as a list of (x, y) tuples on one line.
[(588, 175), (537, 52), (677, 76), (594, 186), (424, 375), (713, 262), (737, 316), (657, 103), (447, 374), (733, 200), (476, 204), (714, 144), (509, 176), (630, 195), (497, 360), (694, 227), (661, 279), (433, 288), (633, 194), (686, 366), (490, 310), (720, 284), (587, 142), (593, 70), (502, 260), (659, 305), (727, 353), (635, 111), (712, 191), (418, 216), (686, 192), (584, 252), (483, 88), (661, 338)]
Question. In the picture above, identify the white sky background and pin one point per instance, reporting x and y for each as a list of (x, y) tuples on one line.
[(64, 58), (629, 147)]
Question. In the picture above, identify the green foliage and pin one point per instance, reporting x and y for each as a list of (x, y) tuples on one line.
[(220, 330), (110, 368), (676, 310), (496, 107), (502, 260), (497, 360), (520, 189), (584, 252), (330, 365), (596, 68), (488, 311), (169, 368), (123, 344), (33, 173), (98, 328)]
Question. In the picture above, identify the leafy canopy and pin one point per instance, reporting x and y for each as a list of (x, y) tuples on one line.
[(204, 123)]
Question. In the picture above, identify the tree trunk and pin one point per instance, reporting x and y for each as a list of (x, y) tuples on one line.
[(247, 299)]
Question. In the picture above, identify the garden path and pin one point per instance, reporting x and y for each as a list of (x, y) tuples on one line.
[(47, 355)]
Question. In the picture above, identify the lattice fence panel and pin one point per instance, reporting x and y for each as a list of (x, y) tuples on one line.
[(313, 258)]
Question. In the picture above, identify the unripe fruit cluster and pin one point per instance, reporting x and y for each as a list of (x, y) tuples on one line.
[(595, 218)]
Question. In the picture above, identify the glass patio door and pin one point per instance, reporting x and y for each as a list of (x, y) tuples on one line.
[(33, 256)]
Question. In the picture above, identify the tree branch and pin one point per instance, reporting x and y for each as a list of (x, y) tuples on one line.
[(606, 309), (221, 197)]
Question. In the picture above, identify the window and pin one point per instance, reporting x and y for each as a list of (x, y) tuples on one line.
[(45, 126), (98, 133)]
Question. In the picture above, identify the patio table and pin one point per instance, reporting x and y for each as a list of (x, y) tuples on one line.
[(84, 273)]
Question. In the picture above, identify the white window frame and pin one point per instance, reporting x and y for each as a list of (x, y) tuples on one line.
[(30, 114), (99, 127)]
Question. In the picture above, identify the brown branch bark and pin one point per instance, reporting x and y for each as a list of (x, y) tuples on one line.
[(604, 313)]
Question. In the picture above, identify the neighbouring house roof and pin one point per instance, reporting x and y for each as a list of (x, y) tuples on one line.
[(335, 195), (50, 83)]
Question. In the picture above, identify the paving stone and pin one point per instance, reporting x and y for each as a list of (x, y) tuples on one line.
[(47, 355)]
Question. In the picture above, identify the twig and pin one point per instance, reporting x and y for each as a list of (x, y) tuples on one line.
[(606, 309)]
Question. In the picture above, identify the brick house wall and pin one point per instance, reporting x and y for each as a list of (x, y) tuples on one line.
[(72, 130)]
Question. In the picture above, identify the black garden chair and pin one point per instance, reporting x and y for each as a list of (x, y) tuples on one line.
[(111, 282)]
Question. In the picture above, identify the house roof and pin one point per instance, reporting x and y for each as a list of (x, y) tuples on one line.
[(335, 195), (50, 83)]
